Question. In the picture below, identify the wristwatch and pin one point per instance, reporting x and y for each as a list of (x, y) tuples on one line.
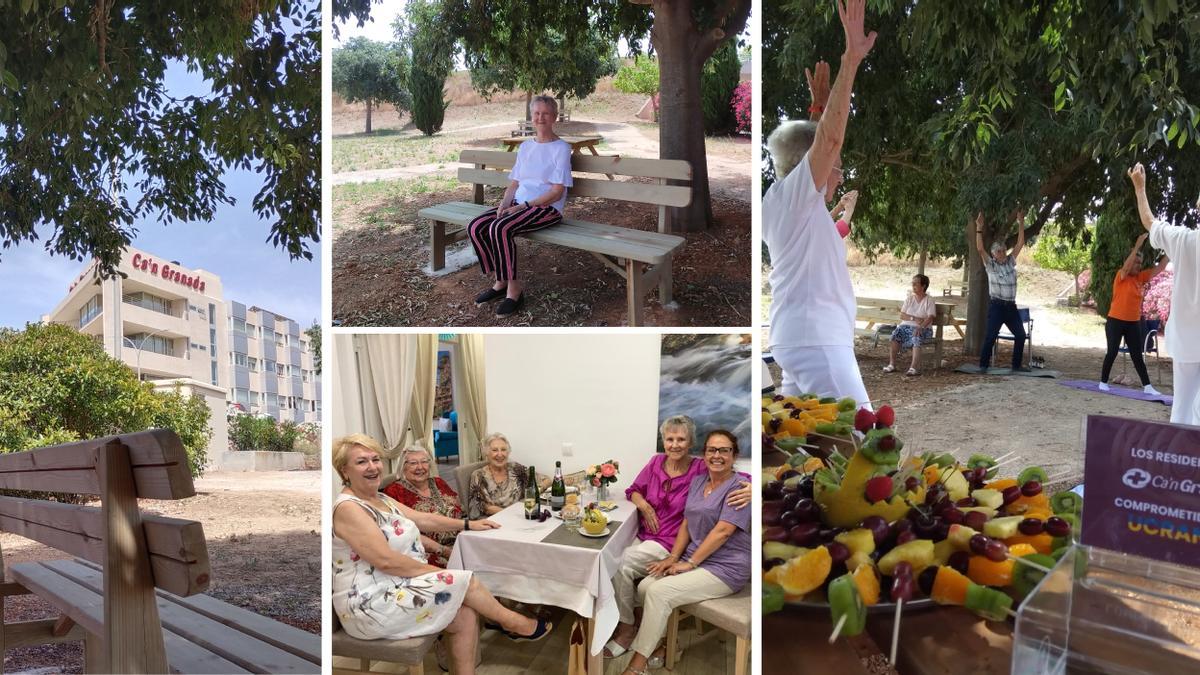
[(466, 524)]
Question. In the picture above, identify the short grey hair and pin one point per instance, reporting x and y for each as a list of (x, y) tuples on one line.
[(679, 422), (998, 247), (545, 100), (788, 143), (495, 435), (414, 449)]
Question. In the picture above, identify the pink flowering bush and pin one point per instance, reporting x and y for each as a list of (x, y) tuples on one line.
[(741, 106), (1156, 304)]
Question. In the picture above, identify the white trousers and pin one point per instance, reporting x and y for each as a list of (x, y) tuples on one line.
[(661, 595), (634, 562), (824, 371), (1185, 408)]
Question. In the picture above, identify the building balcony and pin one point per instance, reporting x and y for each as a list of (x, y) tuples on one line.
[(161, 365), (141, 320)]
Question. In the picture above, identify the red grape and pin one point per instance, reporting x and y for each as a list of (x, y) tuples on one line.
[(902, 525), (979, 544), (808, 510), (911, 483), (804, 534), (959, 561), (996, 550), (773, 490), (776, 533), (967, 501), (1031, 488), (1011, 494), (1057, 527), (905, 537), (975, 520), (878, 527), (790, 519), (838, 551), (790, 500), (1030, 526), (771, 513), (953, 516)]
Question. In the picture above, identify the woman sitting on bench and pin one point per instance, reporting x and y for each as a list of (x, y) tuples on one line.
[(914, 330), (534, 200), (383, 588)]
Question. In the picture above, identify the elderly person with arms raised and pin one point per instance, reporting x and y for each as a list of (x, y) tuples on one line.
[(1182, 245), (812, 304), (709, 558), (534, 200), (916, 318), (382, 586), (1124, 320), (418, 490), (660, 492), (499, 483), (1001, 268)]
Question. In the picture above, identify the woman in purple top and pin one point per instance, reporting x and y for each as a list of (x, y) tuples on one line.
[(709, 558)]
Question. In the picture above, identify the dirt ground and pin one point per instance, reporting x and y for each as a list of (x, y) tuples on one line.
[(381, 248), (264, 543)]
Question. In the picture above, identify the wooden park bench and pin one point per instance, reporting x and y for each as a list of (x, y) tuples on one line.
[(643, 258), (133, 594), (882, 316)]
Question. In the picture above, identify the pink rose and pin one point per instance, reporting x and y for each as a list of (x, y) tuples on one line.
[(596, 481), (608, 470)]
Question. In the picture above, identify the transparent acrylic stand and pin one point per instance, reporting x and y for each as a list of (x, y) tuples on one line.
[(1100, 611)]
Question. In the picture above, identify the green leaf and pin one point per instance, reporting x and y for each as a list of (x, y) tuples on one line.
[(1173, 130), (1183, 136), (10, 80)]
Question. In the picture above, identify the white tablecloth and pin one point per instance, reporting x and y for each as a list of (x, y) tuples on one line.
[(514, 563)]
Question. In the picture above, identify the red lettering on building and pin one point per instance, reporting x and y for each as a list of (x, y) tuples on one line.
[(147, 264)]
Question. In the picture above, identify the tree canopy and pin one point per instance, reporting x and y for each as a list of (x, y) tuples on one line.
[(371, 72), (965, 107), (93, 140), (58, 385), (553, 61)]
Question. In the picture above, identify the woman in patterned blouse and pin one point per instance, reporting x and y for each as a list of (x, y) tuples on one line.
[(499, 483), (416, 489)]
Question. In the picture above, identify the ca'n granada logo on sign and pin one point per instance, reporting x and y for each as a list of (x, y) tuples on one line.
[(148, 265)]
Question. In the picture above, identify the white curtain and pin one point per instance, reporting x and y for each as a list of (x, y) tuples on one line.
[(472, 397), (390, 373), (346, 411), (420, 418)]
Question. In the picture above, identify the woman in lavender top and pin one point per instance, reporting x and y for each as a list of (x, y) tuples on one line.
[(709, 558)]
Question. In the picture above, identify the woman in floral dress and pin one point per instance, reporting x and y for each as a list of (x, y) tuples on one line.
[(382, 586)]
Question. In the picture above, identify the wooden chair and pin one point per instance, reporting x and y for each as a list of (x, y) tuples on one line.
[(730, 613), (133, 594), (410, 652), (641, 257)]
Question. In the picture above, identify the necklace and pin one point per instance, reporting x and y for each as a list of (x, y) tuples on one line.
[(709, 485), (498, 481)]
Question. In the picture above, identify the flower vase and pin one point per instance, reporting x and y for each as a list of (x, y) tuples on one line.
[(602, 493)]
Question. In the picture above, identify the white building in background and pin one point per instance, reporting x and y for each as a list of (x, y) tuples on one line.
[(172, 325)]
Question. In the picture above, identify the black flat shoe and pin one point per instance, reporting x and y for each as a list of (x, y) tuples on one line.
[(510, 306), (488, 296), (543, 629)]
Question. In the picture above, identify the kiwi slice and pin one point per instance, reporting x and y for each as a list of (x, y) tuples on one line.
[(772, 598), (1066, 502), (827, 399), (1032, 473), (944, 460), (1026, 577), (979, 460)]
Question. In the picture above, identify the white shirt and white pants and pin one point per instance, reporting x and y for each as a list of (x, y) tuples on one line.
[(1183, 323), (812, 299)]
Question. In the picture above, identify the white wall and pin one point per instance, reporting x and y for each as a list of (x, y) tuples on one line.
[(599, 392)]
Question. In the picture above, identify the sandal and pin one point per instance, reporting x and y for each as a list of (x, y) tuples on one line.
[(889, 368), (489, 295), (912, 372), (613, 649)]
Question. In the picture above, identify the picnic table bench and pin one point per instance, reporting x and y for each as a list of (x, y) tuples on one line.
[(133, 595), (643, 258), (886, 313)]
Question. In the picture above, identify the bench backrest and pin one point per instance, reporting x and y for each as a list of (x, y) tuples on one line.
[(491, 168), (120, 469), (881, 310)]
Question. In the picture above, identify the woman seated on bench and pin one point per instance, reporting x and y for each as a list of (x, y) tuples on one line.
[(534, 200), (710, 557), (916, 316), (382, 586), (417, 490), (660, 492)]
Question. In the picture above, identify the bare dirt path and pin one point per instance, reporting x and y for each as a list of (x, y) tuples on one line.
[(263, 532)]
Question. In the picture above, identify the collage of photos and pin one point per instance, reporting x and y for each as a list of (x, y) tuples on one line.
[(349, 337)]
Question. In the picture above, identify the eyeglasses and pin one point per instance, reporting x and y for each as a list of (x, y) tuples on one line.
[(417, 462), (718, 451)]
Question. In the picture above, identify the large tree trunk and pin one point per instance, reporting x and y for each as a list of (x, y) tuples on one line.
[(528, 106), (924, 258), (977, 292), (682, 50), (368, 116)]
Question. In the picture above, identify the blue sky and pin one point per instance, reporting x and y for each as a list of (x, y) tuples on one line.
[(233, 246)]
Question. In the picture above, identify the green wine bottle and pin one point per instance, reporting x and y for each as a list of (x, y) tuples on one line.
[(558, 489)]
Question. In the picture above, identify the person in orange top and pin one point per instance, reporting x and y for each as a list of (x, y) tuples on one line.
[(1125, 314)]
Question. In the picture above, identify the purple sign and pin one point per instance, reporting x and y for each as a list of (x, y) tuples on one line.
[(1143, 488)]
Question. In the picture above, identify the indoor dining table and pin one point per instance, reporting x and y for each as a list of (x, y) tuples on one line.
[(546, 563)]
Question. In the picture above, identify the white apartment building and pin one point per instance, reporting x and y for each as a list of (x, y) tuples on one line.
[(172, 325)]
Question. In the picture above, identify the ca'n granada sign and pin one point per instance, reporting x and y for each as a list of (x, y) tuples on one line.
[(148, 264)]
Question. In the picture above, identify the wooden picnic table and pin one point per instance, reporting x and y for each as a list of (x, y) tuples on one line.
[(940, 641)]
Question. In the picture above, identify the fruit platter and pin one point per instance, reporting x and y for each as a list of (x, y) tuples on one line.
[(855, 522)]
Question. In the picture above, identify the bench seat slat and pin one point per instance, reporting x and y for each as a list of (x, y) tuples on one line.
[(178, 551), (673, 169), (620, 242), (229, 645), (628, 191)]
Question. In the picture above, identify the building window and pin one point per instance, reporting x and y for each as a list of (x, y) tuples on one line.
[(242, 396), (280, 369), (252, 364), (238, 359), (155, 343), (279, 341), (214, 372), (90, 311), (251, 329), (212, 314), (238, 325), (150, 302)]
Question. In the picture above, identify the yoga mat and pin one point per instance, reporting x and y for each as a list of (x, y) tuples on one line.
[(972, 369), (1135, 394)]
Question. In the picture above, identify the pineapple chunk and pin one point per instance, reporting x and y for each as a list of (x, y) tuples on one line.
[(918, 553), (776, 549), (992, 499), (1002, 528), (858, 541)]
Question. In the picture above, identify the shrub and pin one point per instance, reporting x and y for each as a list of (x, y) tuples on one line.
[(741, 104), (247, 432), (717, 83), (1156, 304)]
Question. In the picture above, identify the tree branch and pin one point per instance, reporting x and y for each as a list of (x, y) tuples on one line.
[(734, 14)]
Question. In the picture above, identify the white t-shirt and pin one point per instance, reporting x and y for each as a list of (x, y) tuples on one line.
[(540, 165), (1183, 325), (921, 309), (812, 299)]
